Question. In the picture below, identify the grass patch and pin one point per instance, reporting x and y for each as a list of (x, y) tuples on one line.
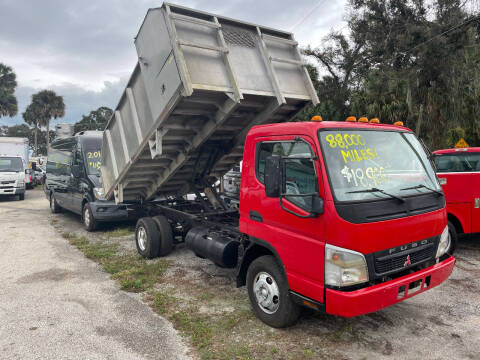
[(134, 273), (120, 231)]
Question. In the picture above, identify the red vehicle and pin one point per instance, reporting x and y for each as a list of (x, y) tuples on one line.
[(342, 217), (458, 171)]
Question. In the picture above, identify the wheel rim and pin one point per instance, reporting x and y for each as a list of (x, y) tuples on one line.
[(142, 238), (266, 292), (86, 217)]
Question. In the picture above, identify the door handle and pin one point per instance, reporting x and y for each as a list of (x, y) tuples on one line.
[(256, 216), (476, 203)]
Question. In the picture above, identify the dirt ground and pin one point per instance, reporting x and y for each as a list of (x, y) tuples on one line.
[(438, 324)]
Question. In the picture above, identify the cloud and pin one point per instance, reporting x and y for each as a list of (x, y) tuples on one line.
[(84, 50)]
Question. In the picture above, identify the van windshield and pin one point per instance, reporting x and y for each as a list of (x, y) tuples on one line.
[(371, 165), (11, 164)]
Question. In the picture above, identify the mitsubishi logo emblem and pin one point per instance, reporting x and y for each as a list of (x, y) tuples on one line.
[(407, 262)]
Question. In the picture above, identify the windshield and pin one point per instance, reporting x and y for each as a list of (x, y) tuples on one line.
[(378, 162), (11, 164), (458, 162)]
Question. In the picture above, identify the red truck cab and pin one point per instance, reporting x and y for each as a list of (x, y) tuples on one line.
[(352, 212), (458, 171)]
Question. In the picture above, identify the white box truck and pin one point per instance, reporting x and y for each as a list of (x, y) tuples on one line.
[(14, 154)]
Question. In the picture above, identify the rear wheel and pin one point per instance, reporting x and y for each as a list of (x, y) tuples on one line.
[(54, 207), (166, 235), (147, 238), (452, 231), (268, 293), (88, 220)]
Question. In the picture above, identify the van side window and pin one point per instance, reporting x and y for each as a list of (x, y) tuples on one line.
[(466, 162), (299, 170)]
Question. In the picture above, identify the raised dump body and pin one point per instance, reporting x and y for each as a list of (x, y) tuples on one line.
[(200, 83)]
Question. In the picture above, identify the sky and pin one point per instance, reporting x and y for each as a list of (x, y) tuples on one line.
[(84, 51)]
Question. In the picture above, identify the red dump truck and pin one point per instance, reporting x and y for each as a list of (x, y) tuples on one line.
[(342, 217)]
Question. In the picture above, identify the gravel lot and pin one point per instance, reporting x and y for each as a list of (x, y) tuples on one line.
[(441, 323)]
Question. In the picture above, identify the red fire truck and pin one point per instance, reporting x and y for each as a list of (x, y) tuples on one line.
[(458, 171)]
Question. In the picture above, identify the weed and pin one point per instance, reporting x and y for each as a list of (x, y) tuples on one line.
[(119, 232)]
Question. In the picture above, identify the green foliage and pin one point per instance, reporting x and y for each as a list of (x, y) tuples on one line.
[(415, 61), (8, 83), (95, 120), (46, 105)]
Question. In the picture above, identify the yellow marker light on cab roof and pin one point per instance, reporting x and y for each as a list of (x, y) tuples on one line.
[(374, 121), (351, 119), (398, 123), (316, 118), (363, 120)]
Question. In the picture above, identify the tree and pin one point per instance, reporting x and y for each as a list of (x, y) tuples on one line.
[(95, 120), (415, 61), (49, 106), (8, 83), (32, 117)]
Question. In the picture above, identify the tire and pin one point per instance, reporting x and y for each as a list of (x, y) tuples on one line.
[(147, 238), (265, 275), (21, 196), (453, 238), (166, 235), (89, 221), (54, 207)]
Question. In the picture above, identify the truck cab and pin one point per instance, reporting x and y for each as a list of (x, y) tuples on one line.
[(352, 213), (458, 171), (73, 180), (12, 176)]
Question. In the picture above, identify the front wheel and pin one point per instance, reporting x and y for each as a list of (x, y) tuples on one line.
[(452, 231), (269, 295), (21, 196), (54, 207), (88, 220)]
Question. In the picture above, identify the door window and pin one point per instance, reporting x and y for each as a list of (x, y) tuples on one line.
[(465, 162), (300, 177)]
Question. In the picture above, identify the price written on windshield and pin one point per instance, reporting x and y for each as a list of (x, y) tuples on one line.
[(94, 159), (345, 143), (371, 176)]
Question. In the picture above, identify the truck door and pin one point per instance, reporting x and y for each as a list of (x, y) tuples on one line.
[(297, 240), (78, 181), (474, 160)]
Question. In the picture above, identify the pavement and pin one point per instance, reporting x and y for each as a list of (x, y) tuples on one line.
[(56, 304)]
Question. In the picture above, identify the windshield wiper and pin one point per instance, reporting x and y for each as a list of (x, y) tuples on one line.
[(9, 170), (420, 186), (376, 190)]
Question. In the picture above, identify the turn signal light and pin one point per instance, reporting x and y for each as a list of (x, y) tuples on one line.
[(398, 123), (374, 121), (363, 120), (351, 119), (317, 118)]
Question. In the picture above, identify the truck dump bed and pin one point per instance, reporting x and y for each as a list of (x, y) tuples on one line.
[(200, 83)]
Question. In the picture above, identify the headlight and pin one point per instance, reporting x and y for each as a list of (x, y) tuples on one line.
[(99, 193), (445, 242), (344, 267)]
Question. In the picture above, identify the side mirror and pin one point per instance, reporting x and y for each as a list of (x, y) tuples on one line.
[(272, 176), (318, 205), (76, 171)]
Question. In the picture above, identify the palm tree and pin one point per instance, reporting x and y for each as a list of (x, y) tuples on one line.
[(49, 106), (32, 117), (8, 101)]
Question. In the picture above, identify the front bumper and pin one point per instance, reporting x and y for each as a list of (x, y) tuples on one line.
[(379, 296), (108, 211), (12, 191)]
